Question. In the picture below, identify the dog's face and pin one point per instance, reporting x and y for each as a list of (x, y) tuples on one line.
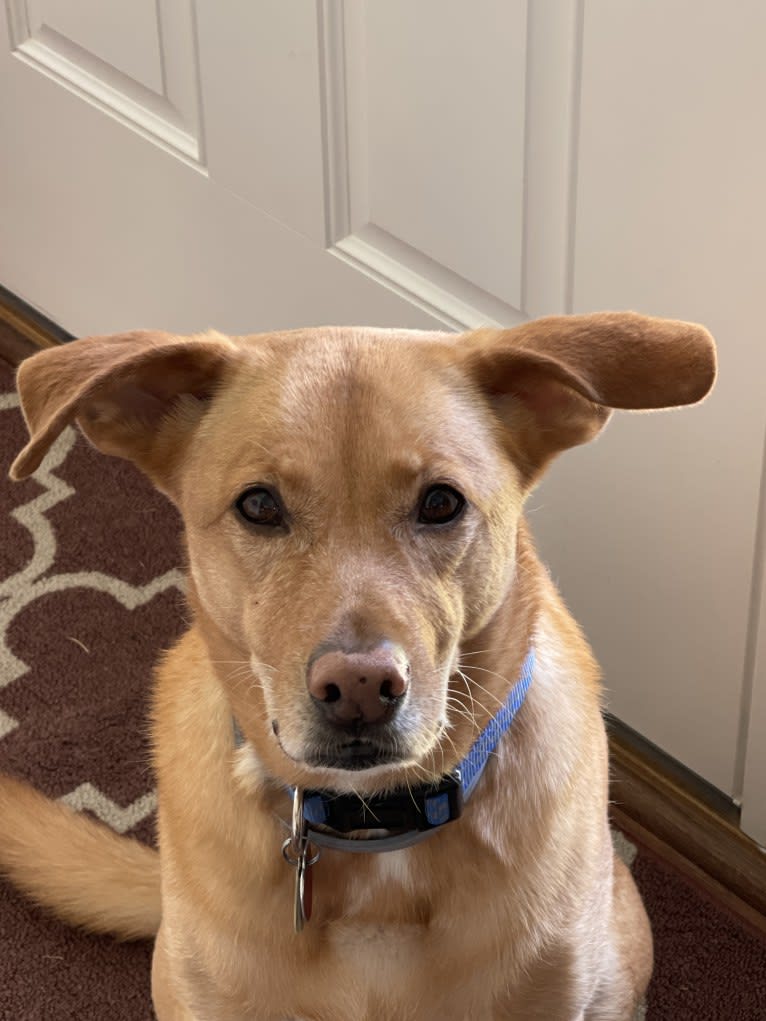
[(350, 509), (351, 501)]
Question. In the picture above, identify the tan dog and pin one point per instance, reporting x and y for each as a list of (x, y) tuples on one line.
[(365, 596)]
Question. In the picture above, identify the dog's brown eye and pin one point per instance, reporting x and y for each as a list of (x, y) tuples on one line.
[(259, 506), (440, 505)]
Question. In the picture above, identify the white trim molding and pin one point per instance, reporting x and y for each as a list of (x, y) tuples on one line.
[(170, 118)]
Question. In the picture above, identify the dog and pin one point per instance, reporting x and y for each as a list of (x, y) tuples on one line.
[(380, 754)]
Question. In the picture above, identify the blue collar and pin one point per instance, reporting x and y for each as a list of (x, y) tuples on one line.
[(410, 815)]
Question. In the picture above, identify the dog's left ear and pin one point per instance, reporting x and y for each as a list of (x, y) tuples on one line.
[(554, 381), (137, 395)]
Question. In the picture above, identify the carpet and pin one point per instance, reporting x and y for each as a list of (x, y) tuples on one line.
[(90, 591)]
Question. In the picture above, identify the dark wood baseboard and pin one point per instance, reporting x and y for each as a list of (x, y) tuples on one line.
[(24, 330), (646, 795), (717, 892), (14, 347)]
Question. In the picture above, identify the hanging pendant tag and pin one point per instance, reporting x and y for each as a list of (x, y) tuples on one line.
[(303, 882), (298, 852)]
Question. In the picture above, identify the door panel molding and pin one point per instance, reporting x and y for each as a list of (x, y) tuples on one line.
[(168, 115), (423, 281), (420, 263), (123, 33)]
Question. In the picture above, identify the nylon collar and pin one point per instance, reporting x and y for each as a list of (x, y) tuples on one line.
[(408, 816)]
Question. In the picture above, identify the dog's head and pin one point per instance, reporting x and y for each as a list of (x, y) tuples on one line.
[(352, 501)]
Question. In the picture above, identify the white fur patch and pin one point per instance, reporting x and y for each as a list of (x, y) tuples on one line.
[(624, 848), (394, 868), (248, 768)]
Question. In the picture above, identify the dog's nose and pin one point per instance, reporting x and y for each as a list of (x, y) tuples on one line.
[(353, 688)]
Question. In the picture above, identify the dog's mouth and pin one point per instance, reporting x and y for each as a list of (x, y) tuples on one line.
[(352, 754)]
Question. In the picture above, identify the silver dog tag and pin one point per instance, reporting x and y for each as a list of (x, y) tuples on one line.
[(303, 890), (297, 852)]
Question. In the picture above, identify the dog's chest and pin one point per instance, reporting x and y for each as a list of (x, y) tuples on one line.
[(375, 949), (399, 949)]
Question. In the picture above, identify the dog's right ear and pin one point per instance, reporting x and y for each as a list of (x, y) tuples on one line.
[(125, 392), (553, 382)]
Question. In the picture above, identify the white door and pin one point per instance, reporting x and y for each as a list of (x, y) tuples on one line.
[(271, 163), (254, 165)]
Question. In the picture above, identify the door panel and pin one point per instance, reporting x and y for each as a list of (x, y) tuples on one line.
[(263, 118), (449, 145), (428, 125)]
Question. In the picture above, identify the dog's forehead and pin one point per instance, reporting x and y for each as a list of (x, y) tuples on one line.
[(360, 369), (326, 400), (309, 378)]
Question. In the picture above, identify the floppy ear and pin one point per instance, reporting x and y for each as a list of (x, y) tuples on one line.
[(126, 392), (554, 381)]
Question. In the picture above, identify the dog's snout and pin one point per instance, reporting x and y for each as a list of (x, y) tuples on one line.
[(359, 687)]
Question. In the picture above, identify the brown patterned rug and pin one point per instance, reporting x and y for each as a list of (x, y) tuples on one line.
[(89, 592)]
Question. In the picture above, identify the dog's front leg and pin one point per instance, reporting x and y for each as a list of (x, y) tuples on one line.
[(165, 987)]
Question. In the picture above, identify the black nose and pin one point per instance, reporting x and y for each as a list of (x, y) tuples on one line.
[(353, 689)]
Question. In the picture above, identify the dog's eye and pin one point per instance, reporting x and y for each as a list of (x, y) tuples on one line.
[(261, 507), (439, 505)]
